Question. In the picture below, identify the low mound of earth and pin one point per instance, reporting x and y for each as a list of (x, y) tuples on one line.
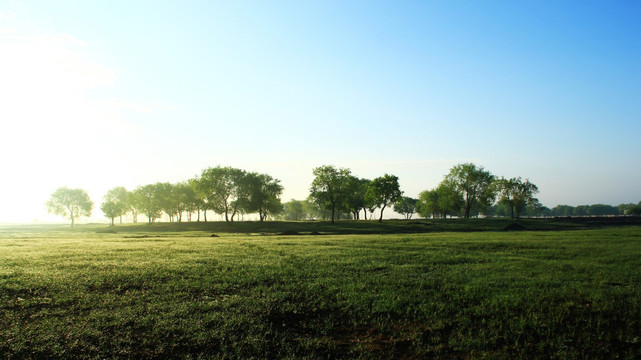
[(514, 227)]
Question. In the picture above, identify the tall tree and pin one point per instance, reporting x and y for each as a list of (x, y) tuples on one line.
[(356, 196), (450, 201), (242, 187), (440, 202), (523, 195), (563, 210), (536, 209), (385, 191), (190, 199), (474, 183), (516, 193), (634, 210), (295, 210), (115, 203), (505, 189), (168, 199), (263, 195), (218, 187), (428, 204), (329, 187), (200, 200), (70, 203), (147, 199), (406, 206)]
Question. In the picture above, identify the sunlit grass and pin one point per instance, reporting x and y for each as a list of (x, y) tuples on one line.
[(573, 294)]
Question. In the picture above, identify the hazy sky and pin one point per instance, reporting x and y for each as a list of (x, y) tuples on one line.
[(97, 94)]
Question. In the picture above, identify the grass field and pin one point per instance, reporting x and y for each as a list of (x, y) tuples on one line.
[(172, 291)]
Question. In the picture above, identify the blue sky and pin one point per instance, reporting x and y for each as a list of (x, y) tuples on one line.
[(98, 94)]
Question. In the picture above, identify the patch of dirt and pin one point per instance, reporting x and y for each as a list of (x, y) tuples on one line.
[(213, 235), (289, 232)]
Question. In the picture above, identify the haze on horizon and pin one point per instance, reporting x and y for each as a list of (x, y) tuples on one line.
[(101, 94)]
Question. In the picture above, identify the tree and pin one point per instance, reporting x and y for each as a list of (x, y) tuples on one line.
[(562, 210), (190, 199), (261, 194), (505, 190), (316, 211), (295, 210), (442, 201), (406, 206), (218, 186), (356, 196), (516, 193), (580, 210), (450, 201), (537, 209), (200, 200), (329, 187), (428, 204), (147, 200), (474, 183), (634, 210), (243, 184), (601, 209), (70, 203), (502, 209), (115, 203), (385, 191), (168, 199)]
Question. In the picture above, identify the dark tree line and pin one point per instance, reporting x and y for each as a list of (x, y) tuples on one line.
[(594, 210)]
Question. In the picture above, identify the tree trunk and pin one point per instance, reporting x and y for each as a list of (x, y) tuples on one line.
[(204, 215), (381, 218)]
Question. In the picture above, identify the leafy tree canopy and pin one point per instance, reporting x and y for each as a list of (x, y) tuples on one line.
[(329, 188), (385, 191), (406, 206), (474, 183), (70, 203)]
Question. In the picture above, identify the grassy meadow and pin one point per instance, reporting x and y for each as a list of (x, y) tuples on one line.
[(160, 291)]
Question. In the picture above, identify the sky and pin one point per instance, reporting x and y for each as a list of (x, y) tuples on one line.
[(98, 94)]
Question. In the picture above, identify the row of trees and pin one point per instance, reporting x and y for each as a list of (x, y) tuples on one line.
[(337, 190), (594, 210), (471, 190), (467, 190), (223, 190)]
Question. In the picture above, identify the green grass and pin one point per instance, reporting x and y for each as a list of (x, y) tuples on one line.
[(171, 291)]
